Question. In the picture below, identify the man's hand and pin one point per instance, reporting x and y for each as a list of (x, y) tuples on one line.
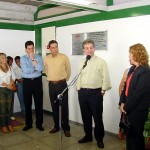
[(20, 80), (31, 55), (102, 92), (32, 58)]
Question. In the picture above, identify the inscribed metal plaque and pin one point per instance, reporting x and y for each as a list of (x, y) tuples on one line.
[(99, 38)]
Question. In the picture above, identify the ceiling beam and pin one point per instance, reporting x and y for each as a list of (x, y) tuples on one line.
[(62, 17), (16, 21), (94, 7)]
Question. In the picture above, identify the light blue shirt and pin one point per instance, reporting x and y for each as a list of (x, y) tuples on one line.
[(28, 69)]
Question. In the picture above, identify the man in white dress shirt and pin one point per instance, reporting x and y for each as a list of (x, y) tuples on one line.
[(18, 73)]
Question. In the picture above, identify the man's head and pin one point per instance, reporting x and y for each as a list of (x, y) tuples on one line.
[(88, 47), (53, 47), (29, 46), (9, 60), (17, 60)]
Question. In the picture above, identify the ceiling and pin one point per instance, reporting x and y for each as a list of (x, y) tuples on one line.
[(24, 11), (41, 2), (25, 2)]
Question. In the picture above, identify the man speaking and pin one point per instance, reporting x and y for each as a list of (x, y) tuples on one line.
[(91, 85)]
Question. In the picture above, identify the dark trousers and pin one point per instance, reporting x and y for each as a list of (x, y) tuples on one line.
[(91, 105), (33, 88), (54, 90), (135, 138)]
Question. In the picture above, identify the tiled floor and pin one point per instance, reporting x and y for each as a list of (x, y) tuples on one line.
[(34, 139)]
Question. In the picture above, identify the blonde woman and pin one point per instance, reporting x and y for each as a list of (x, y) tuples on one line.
[(6, 78)]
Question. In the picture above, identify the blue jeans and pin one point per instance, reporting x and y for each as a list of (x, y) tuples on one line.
[(20, 97)]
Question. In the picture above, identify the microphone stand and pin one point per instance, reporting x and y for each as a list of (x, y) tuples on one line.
[(59, 99)]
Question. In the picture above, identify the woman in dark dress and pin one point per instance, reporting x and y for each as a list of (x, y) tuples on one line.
[(135, 98)]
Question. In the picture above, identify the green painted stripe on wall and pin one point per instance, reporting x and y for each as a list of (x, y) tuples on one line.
[(12, 26), (124, 13), (38, 41), (109, 2)]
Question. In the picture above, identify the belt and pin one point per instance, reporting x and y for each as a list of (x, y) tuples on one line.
[(56, 82), (31, 78), (91, 89)]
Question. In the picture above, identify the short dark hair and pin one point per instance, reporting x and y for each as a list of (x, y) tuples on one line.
[(17, 57), (9, 58), (88, 41), (52, 42), (29, 43)]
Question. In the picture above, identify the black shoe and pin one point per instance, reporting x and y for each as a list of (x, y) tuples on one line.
[(100, 144), (26, 128), (85, 139), (54, 130), (40, 128)]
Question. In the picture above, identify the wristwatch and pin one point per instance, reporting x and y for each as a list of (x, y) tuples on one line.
[(33, 59)]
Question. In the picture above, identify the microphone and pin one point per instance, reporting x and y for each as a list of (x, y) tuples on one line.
[(59, 97), (88, 57)]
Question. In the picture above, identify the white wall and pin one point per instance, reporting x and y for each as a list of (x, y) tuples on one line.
[(47, 35), (122, 33), (12, 44)]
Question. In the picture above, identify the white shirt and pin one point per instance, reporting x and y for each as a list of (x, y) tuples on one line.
[(6, 76), (18, 72), (94, 75)]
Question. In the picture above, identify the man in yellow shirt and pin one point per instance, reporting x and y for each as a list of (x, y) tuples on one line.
[(57, 69), (91, 85)]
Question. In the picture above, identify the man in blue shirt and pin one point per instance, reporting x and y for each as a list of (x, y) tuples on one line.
[(32, 67)]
